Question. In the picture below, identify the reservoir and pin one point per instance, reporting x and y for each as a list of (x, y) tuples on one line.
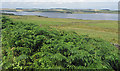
[(95, 16)]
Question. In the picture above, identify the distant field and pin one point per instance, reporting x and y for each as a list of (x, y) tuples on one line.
[(79, 11), (107, 30)]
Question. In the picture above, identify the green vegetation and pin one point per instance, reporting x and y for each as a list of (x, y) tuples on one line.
[(107, 30), (6, 14), (60, 10), (25, 45), (94, 11)]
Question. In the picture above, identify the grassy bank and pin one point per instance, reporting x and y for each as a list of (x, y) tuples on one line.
[(107, 30)]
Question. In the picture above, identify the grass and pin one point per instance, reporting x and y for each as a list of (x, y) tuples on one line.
[(105, 29)]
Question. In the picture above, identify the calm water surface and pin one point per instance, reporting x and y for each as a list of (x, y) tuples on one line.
[(99, 16)]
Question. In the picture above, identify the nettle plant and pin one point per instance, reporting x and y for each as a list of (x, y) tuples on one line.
[(29, 46)]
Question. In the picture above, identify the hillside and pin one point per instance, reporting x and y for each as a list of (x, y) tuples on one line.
[(26, 45)]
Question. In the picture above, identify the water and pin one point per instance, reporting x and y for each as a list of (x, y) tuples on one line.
[(98, 16)]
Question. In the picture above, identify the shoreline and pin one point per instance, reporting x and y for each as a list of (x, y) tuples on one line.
[(74, 15)]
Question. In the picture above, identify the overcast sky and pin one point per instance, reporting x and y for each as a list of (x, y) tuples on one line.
[(60, 0), (74, 4)]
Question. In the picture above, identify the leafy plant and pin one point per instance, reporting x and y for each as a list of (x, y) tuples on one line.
[(28, 46)]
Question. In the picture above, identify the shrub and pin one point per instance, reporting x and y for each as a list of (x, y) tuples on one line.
[(28, 46)]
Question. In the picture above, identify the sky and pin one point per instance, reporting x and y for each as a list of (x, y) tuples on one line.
[(59, 0), (72, 4)]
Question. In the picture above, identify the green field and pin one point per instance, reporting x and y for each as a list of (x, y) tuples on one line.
[(77, 11), (105, 29)]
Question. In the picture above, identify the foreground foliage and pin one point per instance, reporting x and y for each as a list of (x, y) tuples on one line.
[(29, 46)]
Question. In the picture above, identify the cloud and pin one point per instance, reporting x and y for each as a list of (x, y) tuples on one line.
[(59, 0)]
